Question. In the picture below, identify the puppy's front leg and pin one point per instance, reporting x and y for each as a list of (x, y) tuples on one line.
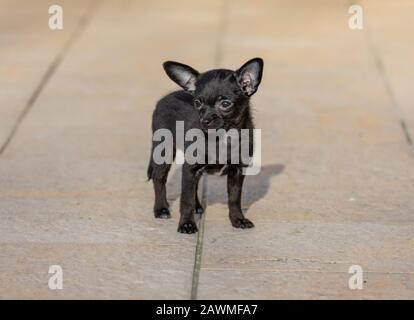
[(235, 180), (187, 203)]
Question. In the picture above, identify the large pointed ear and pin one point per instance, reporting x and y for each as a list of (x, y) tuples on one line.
[(249, 76), (183, 75)]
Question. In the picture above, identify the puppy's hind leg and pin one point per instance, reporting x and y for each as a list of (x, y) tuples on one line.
[(158, 174)]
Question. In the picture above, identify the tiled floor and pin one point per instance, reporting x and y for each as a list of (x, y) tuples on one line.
[(336, 188)]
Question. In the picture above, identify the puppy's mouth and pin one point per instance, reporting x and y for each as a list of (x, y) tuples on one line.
[(215, 124)]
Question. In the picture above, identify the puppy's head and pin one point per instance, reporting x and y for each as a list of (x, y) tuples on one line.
[(220, 96)]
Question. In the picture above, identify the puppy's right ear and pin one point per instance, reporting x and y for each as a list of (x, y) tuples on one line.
[(183, 75), (249, 76)]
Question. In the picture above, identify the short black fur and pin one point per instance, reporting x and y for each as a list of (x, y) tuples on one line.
[(212, 100)]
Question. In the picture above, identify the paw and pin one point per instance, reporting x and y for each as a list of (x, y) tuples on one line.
[(242, 223), (199, 210), (162, 213), (187, 227)]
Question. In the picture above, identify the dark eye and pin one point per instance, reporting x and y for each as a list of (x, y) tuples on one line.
[(197, 104), (226, 104)]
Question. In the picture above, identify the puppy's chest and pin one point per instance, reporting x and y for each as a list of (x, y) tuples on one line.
[(217, 170)]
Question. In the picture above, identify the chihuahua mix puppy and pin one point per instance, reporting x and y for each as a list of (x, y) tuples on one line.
[(216, 99)]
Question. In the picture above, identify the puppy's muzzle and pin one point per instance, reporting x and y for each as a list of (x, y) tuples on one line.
[(211, 121)]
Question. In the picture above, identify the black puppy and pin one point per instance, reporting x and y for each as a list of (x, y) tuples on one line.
[(216, 99)]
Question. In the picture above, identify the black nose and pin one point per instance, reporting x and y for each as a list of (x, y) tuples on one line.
[(208, 120)]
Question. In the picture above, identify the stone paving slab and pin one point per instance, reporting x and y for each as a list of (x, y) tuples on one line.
[(389, 24), (305, 260), (28, 48), (300, 284), (95, 270), (336, 184), (73, 189)]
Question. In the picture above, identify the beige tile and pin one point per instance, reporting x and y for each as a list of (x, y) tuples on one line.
[(389, 26), (28, 49), (336, 181), (73, 188)]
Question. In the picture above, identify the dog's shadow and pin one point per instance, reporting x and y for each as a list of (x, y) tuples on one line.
[(255, 187)]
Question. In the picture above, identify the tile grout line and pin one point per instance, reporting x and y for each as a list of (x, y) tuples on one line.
[(218, 57), (82, 24), (379, 64), (387, 84), (199, 245)]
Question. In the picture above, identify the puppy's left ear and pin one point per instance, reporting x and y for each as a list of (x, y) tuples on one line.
[(249, 76), (183, 75)]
